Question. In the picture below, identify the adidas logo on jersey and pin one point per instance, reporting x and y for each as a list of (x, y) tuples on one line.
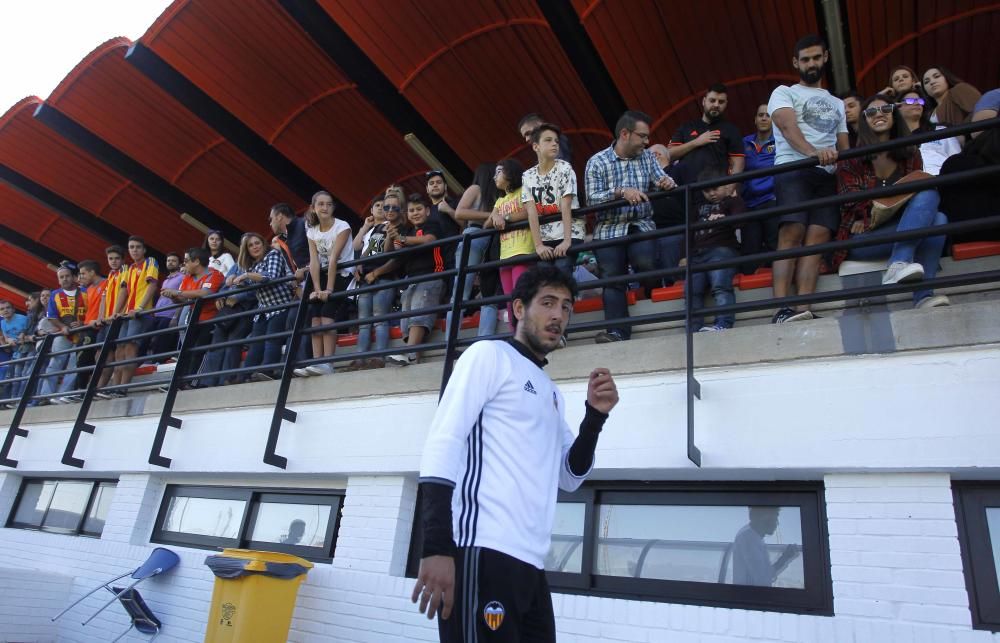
[(529, 388)]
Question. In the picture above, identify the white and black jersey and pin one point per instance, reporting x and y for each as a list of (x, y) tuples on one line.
[(501, 441)]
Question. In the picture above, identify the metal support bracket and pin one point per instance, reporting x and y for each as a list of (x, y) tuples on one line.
[(15, 430), (281, 411), (184, 358)]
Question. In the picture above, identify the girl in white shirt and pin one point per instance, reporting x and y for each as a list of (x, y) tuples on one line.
[(219, 259), (329, 246)]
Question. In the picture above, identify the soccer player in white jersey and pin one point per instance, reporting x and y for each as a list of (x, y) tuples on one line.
[(498, 451)]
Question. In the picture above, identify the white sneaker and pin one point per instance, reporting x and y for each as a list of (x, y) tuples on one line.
[(320, 369), (901, 272), (301, 372), (934, 301), (401, 359)]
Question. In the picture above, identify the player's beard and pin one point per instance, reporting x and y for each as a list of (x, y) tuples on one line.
[(811, 76)]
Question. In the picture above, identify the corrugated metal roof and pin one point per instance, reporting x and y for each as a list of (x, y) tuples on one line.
[(113, 100)]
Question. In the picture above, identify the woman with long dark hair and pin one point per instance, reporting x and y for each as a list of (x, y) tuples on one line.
[(910, 260), (474, 208), (508, 209), (219, 259), (954, 99)]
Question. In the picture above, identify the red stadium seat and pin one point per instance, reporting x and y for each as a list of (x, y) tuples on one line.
[(589, 305), (667, 294), (763, 278), (973, 249)]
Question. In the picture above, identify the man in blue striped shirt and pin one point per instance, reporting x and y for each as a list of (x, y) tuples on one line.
[(625, 171)]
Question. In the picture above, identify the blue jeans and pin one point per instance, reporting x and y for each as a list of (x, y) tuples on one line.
[(720, 281), (268, 351), (22, 369), (668, 255), (920, 212), (59, 363), (613, 262), (223, 358), (369, 305), (477, 249)]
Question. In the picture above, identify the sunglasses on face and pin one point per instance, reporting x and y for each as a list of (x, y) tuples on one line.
[(914, 101), (391, 208), (885, 109)]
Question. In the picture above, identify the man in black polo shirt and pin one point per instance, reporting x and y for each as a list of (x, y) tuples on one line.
[(710, 141), (442, 212)]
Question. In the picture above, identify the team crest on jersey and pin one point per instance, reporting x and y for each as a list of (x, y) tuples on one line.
[(493, 614)]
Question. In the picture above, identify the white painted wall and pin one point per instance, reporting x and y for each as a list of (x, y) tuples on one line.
[(927, 410), (886, 434)]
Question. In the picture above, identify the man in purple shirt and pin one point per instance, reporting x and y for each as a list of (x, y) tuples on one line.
[(166, 318)]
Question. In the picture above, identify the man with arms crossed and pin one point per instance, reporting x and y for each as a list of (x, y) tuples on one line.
[(500, 436)]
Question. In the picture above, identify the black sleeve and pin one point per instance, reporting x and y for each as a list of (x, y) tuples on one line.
[(435, 511), (581, 454)]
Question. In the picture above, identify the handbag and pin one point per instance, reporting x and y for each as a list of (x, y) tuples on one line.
[(886, 208)]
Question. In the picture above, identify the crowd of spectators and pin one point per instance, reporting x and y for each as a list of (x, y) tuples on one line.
[(305, 256)]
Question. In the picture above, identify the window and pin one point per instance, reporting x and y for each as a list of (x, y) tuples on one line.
[(977, 511), (749, 546), (76, 507), (303, 523)]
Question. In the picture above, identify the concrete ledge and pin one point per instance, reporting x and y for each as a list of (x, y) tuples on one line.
[(963, 325)]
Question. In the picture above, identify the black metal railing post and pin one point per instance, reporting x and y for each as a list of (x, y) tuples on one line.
[(281, 411), (692, 385), (81, 425), (184, 358), (15, 430), (451, 332)]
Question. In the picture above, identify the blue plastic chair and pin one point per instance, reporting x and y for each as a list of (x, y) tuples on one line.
[(160, 560)]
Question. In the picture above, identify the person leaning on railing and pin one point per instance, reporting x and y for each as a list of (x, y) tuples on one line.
[(910, 260), (199, 281), (25, 346), (379, 302), (262, 264), (229, 330)]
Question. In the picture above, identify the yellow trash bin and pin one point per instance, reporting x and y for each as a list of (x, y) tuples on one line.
[(254, 595)]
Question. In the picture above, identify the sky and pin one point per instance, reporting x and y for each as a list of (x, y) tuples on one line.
[(42, 40)]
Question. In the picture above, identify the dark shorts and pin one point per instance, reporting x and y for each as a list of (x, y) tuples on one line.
[(335, 309), (498, 599), (805, 185)]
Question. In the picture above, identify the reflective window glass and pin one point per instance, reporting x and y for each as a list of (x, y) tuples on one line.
[(740, 545), (214, 517), (566, 552), (94, 524), (304, 525)]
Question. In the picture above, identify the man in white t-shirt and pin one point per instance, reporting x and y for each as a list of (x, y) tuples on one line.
[(808, 122)]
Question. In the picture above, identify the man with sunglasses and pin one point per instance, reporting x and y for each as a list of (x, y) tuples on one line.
[(809, 123)]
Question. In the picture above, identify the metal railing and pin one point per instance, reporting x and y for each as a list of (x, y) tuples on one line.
[(190, 348)]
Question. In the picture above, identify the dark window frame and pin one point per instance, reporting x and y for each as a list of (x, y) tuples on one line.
[(816, 599), (78, 530), (971, 501), (253, 497)]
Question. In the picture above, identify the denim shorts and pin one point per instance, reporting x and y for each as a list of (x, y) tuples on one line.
[(423, 295), (805, 185), (136, 325)]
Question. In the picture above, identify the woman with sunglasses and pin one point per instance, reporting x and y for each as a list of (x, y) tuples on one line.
[(914, 110), (219, 259), (910, 260), (372, 273)]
